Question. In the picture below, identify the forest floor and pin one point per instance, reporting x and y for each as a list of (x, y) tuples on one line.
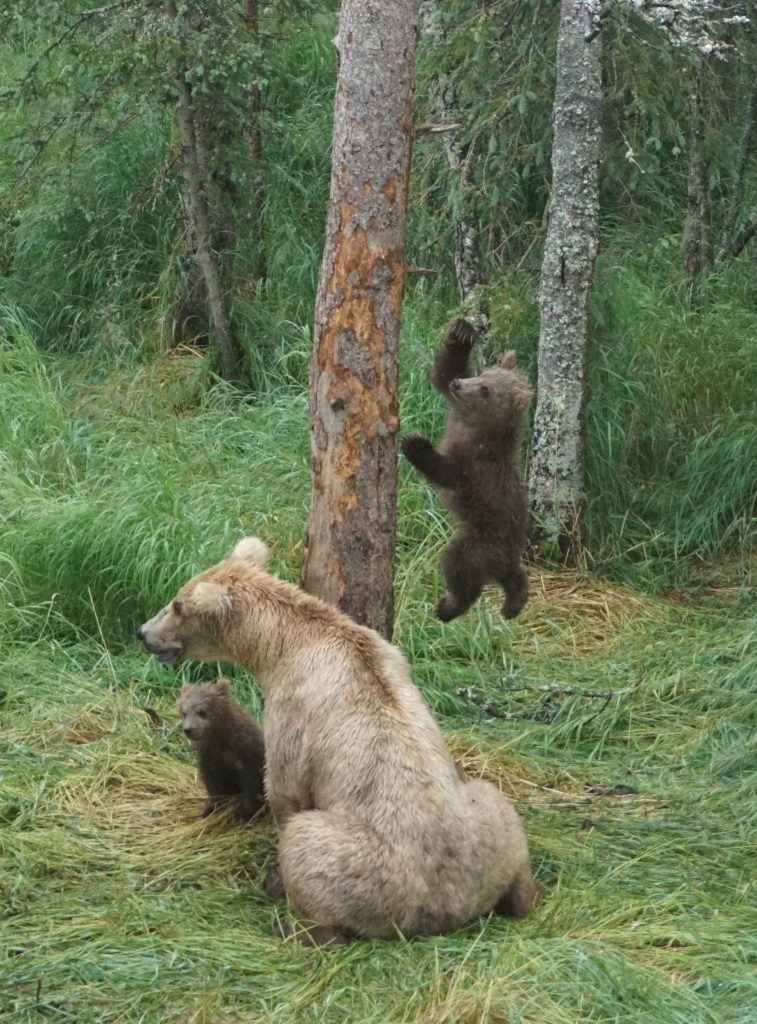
[(124, 905), (631, 756)]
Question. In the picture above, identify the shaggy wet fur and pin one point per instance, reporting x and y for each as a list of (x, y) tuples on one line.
[(378, 834), (476, 472), (230, 749)]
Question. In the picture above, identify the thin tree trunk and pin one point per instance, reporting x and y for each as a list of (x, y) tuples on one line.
[(695, 244), (744, 235), (447, 110), (745, 148), (189, 316), (349, 557), (195, 162), (255, 153), (557, 464)]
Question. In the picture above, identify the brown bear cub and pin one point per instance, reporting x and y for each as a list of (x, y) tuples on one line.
[(230, 750), (476, 472)]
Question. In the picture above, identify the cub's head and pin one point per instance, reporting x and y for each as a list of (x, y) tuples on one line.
[(499, 396), (200, 707), (192, 625)]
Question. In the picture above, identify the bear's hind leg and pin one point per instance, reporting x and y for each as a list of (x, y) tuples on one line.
[(465, 574), (515, 586), (524, 894), (338, 874)]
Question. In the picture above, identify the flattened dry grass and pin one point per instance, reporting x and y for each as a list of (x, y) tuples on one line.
[(123, 904)]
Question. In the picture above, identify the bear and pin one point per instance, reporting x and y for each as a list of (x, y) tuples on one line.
[(476, 473), (378, 835), (230, 747)]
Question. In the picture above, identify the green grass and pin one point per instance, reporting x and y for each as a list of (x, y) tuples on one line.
[(122, 905)]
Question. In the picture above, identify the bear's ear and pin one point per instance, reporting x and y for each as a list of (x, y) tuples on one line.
[(507, 362), (186, 689), (209, 597), (222, 685), (253, 550)]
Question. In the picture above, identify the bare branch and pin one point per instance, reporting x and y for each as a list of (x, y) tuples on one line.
[(545, 711)]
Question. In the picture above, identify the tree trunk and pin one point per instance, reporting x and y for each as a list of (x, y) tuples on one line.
[(189, 316), (696, 246), (214, 232), (255, 152), (557, 463), (447, 110), (745, 148), (349, 557)]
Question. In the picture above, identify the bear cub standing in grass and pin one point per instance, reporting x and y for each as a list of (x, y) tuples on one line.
[(230, 750), (476, 473)]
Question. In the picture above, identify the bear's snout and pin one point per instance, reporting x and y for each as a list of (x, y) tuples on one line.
[(141, 633), (455, 384), (188, 730)]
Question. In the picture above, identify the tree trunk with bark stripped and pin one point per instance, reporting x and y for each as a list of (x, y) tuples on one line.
[(349, 557), (557, 463)]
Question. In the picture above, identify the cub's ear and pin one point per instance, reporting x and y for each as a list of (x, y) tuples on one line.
[(186, 689), (222, 685), (209, 597), (507, 362), (253, 550)]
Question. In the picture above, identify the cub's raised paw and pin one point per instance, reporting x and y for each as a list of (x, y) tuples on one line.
[(461, 334)]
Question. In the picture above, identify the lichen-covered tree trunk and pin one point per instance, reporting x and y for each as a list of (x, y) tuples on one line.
[(349, 557), (557, 462)]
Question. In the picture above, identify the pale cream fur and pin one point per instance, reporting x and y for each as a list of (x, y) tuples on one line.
[(378, 834)]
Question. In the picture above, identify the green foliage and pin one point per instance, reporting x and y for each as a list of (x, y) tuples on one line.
[(671, 435)]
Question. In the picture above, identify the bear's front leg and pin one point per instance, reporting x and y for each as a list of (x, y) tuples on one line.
[(436, 467), (453, 358)]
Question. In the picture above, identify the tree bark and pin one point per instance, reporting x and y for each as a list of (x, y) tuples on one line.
[(349, 557), (447, 110), (189, 316), (214, 232), (255, 154), (696, 245), (745, 148), (557, 463)]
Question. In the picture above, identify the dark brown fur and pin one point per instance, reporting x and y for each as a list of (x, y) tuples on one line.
[(476, 472), (230, 749)]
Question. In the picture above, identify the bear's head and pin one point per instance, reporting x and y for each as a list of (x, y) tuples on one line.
[(499, 396), (193, 624), (201, 707)]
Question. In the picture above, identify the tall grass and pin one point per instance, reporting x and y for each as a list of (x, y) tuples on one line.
[(671, 434)]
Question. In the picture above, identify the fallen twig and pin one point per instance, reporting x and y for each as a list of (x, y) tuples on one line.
[(546, 711)]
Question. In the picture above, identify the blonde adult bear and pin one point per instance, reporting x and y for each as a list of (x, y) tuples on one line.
[(378, 834)]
